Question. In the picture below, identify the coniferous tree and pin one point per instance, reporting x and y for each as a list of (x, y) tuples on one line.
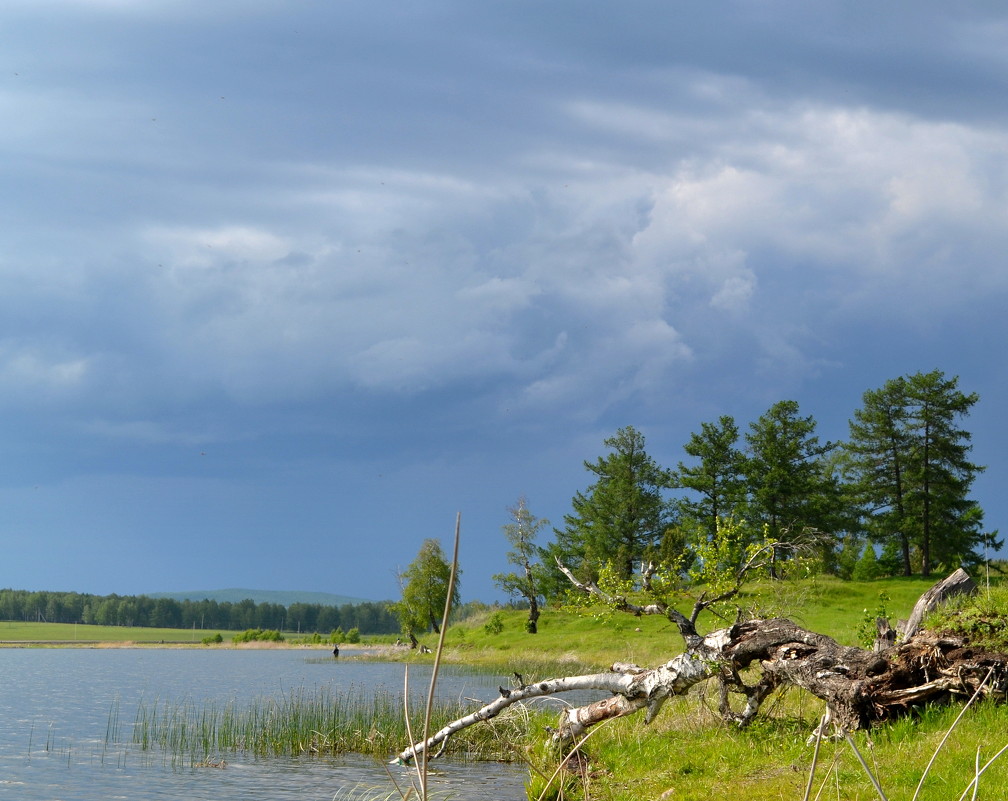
[(912, 471), (791, 482), (879, 454), (718, 478), (622, 516)]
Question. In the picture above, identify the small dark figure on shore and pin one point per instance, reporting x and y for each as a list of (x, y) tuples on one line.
[(335, 652)]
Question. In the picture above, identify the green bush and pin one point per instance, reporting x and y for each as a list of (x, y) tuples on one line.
[(353, 635), (213, 640), (495, 625), (258, 635), (868, 567)]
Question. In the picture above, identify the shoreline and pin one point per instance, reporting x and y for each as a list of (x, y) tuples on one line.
[(350, 649)]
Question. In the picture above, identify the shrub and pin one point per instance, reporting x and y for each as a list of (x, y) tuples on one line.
[(867, 567), (258, 635), (213, 640), (495, 625), (353, 635)]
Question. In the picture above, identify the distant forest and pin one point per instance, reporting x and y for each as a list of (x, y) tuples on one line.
[(140, 610)]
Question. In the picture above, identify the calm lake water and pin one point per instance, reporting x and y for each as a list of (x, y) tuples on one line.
[(55, 706)]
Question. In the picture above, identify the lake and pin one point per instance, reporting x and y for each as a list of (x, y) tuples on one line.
[(55, 707)]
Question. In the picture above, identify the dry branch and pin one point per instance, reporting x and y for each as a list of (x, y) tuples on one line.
[(859, 686)]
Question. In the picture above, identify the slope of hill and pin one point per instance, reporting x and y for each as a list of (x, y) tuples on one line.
[(282, 597)]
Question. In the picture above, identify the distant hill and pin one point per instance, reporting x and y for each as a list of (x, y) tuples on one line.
[(282, 597)]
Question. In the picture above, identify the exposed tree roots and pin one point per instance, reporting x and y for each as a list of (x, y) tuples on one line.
[(860, 687)]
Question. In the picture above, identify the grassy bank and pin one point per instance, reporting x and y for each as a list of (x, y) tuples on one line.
[(825, 605), (689, 753)]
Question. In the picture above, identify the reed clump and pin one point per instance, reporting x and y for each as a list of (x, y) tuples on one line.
[(315, 721)]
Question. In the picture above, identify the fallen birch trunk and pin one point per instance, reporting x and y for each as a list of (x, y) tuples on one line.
[(859, 686)]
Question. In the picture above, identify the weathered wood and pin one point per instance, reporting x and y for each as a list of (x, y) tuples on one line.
[(859, 686), (959, 583)]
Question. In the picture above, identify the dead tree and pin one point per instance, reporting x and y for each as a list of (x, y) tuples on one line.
[(860, 687)]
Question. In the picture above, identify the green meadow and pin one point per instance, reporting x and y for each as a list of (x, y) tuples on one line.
[(13, 631)]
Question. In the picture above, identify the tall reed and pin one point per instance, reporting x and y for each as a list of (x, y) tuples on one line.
[(318, 720)]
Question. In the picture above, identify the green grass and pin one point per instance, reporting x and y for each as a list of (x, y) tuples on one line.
[(689, 751), (69, 633), (567, 640)]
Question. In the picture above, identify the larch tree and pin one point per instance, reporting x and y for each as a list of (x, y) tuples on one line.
[(940, 471), (527, 581), (717, 477), (878, 461), (912, 473), (621, 518), (791, 485)]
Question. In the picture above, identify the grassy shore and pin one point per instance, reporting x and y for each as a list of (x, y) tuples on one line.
[(686, 753), (689, 753)]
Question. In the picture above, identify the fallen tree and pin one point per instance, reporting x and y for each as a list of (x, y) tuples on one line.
[(860, 687)]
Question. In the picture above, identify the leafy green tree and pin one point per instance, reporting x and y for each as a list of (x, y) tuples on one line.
[(622, 516), (424, 591), (527, 581), (718, 477), (791, 482)]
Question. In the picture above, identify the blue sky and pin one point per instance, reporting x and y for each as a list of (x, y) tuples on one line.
[(285, 285)]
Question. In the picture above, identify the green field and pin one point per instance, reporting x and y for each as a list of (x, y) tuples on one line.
[(825, 605), (13, 631)]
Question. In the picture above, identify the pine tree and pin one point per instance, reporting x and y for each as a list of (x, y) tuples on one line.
[(621, 517), (717, 478), (791, 482)]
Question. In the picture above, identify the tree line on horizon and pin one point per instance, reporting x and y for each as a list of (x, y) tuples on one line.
[(368, 617)]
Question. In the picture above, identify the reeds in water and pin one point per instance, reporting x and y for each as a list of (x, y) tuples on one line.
[(320, 720)]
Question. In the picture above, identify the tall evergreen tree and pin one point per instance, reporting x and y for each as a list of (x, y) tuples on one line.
[(622, 516), (879, 455), (912, 471), (949, 522), (718, 477), (791, 483)]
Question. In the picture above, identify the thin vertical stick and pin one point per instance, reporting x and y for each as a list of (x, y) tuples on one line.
[(949, 733), (864, 765), (409, 731), (437, 655), (815, 758)]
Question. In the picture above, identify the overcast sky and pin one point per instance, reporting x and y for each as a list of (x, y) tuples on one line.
[(285, 285)]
